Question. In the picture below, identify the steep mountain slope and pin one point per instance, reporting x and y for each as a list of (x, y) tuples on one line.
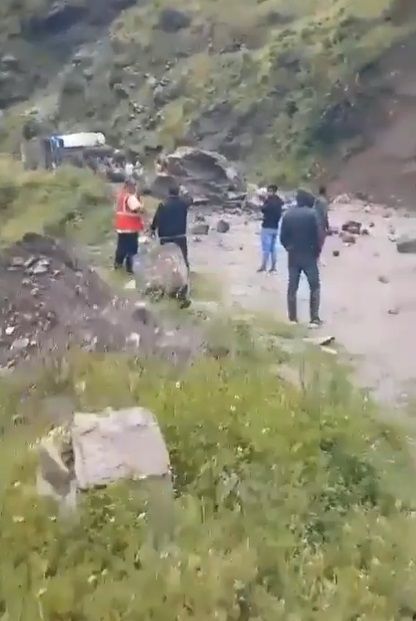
[(283, 87)]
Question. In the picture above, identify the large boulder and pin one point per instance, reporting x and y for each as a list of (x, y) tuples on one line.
[(116, 445), (161, 184), (161, 270), (204, 174), (406, 244)]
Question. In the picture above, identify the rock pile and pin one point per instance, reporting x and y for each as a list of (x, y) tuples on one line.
[(51, 301)]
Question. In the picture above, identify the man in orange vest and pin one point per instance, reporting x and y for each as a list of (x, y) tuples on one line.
[(128, 223)]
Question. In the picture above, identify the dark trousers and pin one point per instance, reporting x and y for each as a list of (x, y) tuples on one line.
[(307, 265), (127, 246), (181, 242)]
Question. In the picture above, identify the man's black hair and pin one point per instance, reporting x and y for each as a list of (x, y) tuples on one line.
[(272, 187), (304, 198), (173, 190)]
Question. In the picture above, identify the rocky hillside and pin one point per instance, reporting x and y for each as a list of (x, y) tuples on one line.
[(281, 86)]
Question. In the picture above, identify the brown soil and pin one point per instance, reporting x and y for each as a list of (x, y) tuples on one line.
[(51, 301), (386, 169)]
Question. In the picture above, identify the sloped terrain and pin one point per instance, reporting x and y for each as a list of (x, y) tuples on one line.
[(281, 87)]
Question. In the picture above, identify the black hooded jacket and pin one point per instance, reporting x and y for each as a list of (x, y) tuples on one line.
[(300, 233), (170, 219)]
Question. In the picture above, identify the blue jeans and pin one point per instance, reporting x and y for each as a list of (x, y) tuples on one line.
[(268, 247)]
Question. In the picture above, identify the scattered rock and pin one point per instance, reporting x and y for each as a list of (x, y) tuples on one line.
[(384, 280), (394, 310), (223, 226), (347, 238), (200, 229), (321, 341), (372, 225), (335, 253), (352, 226), (9, 330), (365, 232), (406, 244)]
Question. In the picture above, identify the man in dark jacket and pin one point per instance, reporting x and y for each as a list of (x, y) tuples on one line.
[(272, 212), (300, 236), (321, 208), (170, 221)]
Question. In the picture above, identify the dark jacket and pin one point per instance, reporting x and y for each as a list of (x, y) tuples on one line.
[(300, 233), (272, 212), (321, 207), (170, 219)]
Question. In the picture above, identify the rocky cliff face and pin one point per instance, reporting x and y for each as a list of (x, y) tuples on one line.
[(276, 85)]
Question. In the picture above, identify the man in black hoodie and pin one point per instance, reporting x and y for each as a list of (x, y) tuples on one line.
[(170, 221), (272, 212), (301, 236)]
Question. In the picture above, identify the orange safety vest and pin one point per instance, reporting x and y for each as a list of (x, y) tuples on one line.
[(127, 221)]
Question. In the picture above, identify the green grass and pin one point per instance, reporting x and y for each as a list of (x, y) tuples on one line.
[(69, 202), (288, 505)]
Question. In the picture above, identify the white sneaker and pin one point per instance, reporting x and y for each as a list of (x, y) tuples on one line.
[(314, 325)]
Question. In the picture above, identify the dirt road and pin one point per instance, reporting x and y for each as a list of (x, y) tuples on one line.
[(368, 291)]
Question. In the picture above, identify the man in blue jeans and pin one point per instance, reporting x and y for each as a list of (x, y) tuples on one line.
[(272, 212)]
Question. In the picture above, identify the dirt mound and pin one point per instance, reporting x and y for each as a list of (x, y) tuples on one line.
[(50, 301)]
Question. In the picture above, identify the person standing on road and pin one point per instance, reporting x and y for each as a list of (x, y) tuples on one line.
[(300, 236), (321, 208), (170, 221), (128, 224), (272, 212)]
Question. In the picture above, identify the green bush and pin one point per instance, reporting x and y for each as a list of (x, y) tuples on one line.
[(288, 505)]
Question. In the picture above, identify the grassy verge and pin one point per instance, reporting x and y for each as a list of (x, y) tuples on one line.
[(70, 202), (288, 505)]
